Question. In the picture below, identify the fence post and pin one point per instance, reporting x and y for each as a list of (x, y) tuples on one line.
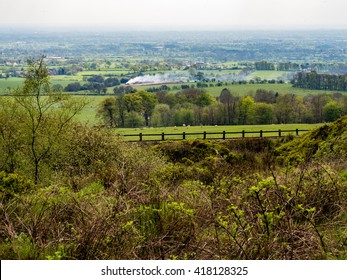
[(140, 136), (224, 135), (243, 134), (184, 135), (279, 133), (261, 133), (297, 132), (204, 135), (163, 136)]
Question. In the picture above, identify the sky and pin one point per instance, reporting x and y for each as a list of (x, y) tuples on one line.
[(175, 14)]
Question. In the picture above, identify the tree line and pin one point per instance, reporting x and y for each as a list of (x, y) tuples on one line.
[(313, 80), (294, 66), (95, 83), (197, 107)]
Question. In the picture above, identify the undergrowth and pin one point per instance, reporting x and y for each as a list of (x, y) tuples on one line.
[(189, 199)]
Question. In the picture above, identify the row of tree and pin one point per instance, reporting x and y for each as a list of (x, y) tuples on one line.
[(313, 80), (95, 83), (196, 107), (294, 66)]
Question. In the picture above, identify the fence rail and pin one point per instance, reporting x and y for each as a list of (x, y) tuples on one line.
[(214, 135)]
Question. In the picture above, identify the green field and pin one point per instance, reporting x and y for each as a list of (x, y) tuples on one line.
[(255, 129), (64, 80), (237, 89), (249, 89), (10, 83), (18, 82), (103, 72), (267, 75)]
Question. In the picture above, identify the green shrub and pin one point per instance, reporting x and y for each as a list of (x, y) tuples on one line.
[(13, 184)]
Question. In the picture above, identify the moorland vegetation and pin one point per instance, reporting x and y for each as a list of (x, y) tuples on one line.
[(73, 191)]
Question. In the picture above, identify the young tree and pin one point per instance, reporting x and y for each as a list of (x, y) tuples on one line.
[(43, 116), (247, 110)]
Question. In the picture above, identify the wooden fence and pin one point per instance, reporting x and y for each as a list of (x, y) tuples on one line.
[(210, 135)]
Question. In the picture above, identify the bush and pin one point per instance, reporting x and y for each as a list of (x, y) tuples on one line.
[(13, 184)]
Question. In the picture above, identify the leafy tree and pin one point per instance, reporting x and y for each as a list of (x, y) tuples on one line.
[(195, 96), (149, 100), (332, 111), (73, 87), (119, 90), (265, 96), (161, 115), (108, 111), (199, 76), (287, 108), (43, 116), (96, 79), (120, 108), (263, 113), (133, 102), (10, 135), (247, 110), (57, 87), (184, 116), (111, 82), (166, 98), (133, 119), (316, 104), (204, 99)]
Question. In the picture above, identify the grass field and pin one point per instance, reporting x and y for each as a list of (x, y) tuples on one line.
[(103, 72), (248, 89), (18, 82), (64, 80), (254, 131), (10, 83), (267, 75)]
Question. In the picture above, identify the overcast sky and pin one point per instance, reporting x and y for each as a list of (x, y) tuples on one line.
[(175, 14)]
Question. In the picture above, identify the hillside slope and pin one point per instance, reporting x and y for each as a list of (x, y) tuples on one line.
[(326, 142)]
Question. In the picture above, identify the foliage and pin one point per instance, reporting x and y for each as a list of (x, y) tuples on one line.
[(313, 80), (98, 197), (12, 185), (196, 107), (36, 125), (325, 142)]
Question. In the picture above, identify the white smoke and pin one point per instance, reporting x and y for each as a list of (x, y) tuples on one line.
[(185, 76), (169, 77)]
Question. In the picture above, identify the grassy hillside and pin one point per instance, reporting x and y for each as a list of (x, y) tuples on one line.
[(326, 142)]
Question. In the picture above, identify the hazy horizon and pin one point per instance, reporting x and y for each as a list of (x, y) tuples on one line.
[(174, 15), (110, 29)]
